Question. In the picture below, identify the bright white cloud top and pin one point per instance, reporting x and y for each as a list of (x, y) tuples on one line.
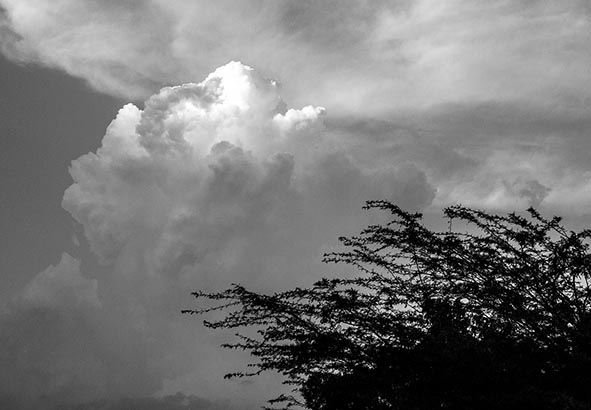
[(195, 149)]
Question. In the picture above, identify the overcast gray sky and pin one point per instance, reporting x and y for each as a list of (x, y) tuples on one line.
[(277, 120)]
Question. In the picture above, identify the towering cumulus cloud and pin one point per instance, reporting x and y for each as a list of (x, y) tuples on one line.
[(195, 161), (208, 184)]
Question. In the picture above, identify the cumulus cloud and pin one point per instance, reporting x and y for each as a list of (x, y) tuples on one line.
[(205, 162), (59, 345), (190, 155), (208, 183), (220, 181), (61, 285)]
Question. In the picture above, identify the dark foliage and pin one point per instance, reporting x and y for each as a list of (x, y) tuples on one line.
[(496, 316)]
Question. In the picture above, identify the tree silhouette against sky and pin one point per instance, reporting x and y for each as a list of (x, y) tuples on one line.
[(494, 313)]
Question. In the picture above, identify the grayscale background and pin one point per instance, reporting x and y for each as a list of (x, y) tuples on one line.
[(119, 197)]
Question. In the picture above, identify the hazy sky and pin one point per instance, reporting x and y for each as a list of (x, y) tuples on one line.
[(277, 119)]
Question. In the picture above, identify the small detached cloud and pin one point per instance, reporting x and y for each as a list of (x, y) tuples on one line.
[(531, 190)]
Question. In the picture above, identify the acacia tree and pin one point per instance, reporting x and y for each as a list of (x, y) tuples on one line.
[(496, 315)]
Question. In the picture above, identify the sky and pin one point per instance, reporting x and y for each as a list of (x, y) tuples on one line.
[(152, 148)]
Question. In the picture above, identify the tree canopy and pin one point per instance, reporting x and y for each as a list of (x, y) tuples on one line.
[(495, 314)]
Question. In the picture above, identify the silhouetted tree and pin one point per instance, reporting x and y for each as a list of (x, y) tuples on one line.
[(495, 315)]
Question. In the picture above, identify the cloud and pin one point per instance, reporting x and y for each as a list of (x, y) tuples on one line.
[(353, 56), (220, 181), (530, 190), (189, 155), (89, 41), (214, 183), (205, 162), (209, 183), (60, 345), (61, 285), (429, 104), (478, 154), (457, 88)]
